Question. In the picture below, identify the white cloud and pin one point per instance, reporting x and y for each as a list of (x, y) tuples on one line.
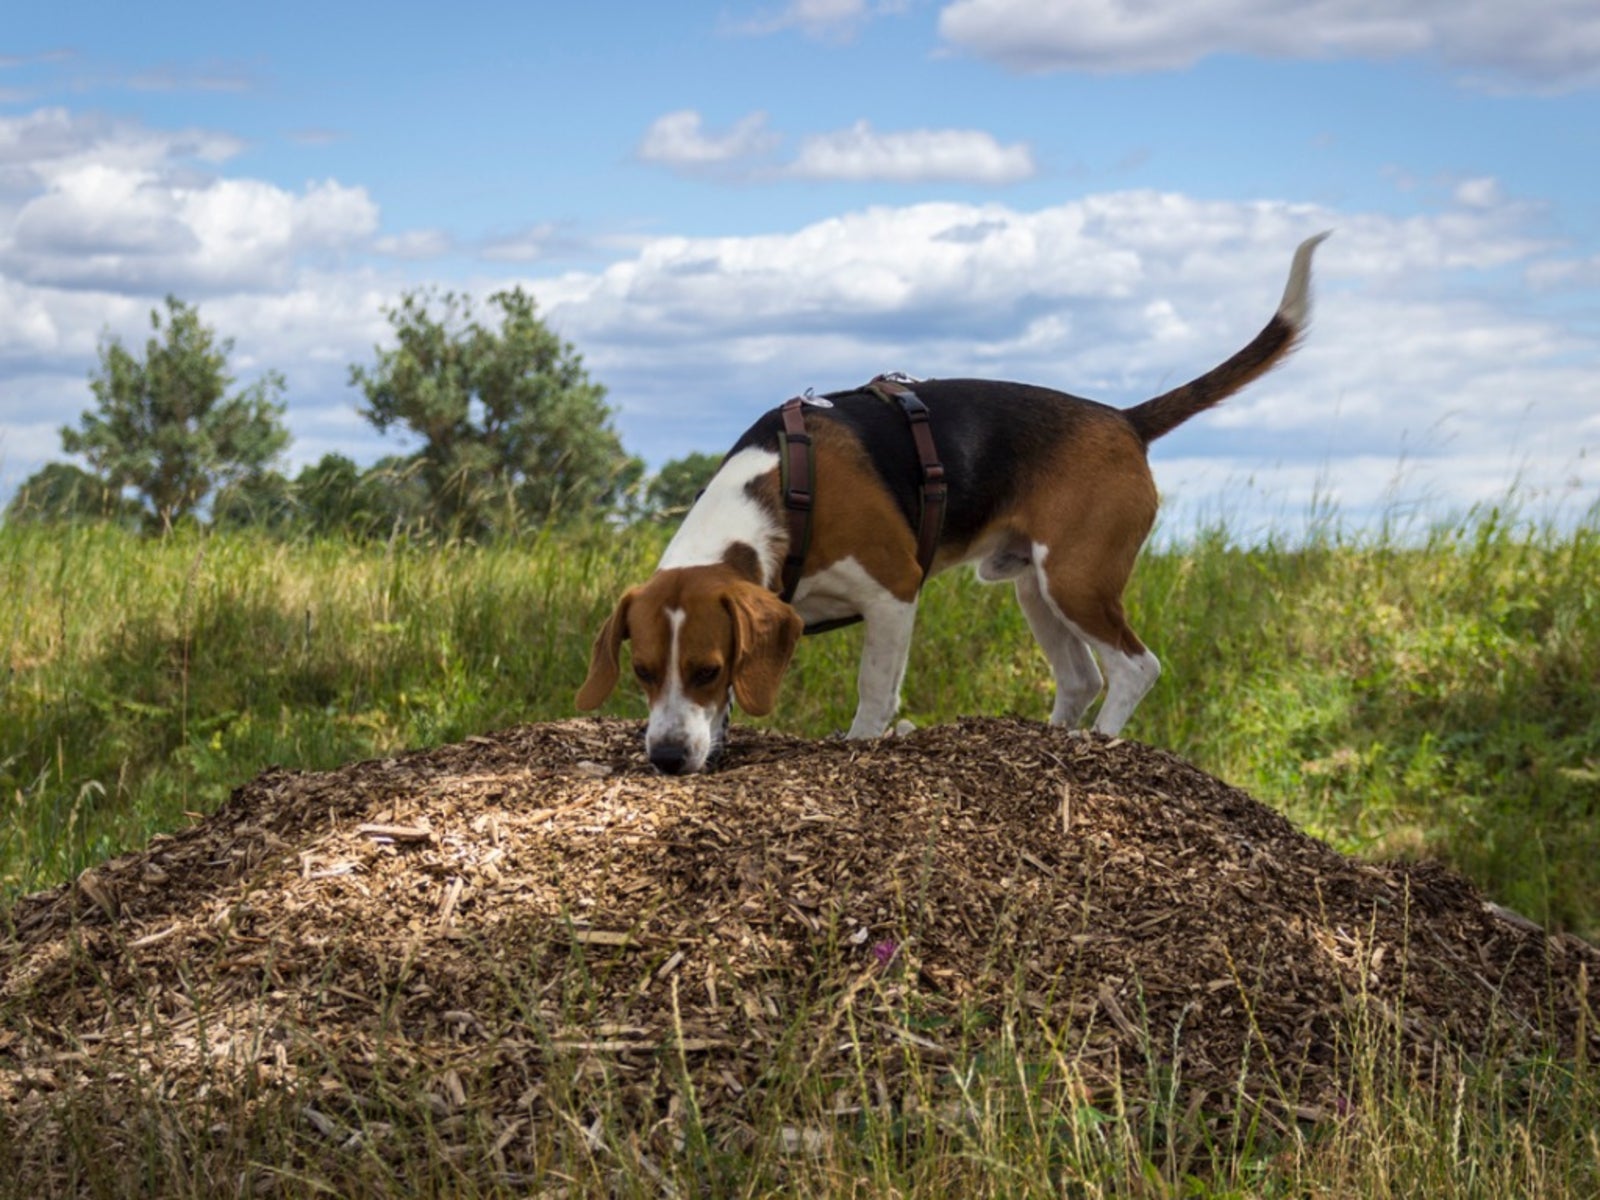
[(415, 244), (525, 245), (1483, 192), (1535, 45), (37, 147), (859, 153), (913, 156), (131, 230), (837, 20), (90, 203), (1558, 273), (98, 218), (548, 240), (679, 140), (1116, 297)]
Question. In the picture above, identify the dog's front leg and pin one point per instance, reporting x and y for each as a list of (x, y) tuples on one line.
[(884, 650)]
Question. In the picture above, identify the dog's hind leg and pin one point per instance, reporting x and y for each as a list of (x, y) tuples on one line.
[(1089, 602), (1077, 678), (1129, 676)]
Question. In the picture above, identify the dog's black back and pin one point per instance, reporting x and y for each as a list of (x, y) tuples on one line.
[(992, 438)]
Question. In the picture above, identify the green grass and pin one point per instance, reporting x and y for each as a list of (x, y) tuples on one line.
[(1428, 695), (1436, 698)]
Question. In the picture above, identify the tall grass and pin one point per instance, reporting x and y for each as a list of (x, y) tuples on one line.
[(1437, 695), (1014, 1112), (147, 678), (1429, 695)]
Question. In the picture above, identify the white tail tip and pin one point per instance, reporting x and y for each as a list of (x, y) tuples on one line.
[(1296, 303)]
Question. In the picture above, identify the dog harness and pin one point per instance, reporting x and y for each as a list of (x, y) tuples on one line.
[(797, 468)]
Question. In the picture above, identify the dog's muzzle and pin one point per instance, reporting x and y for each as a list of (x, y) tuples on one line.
[(673, 755), (669, 758)]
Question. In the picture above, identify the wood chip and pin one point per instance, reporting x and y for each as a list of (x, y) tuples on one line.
[(892, 903), (397, 833), (602, 937)]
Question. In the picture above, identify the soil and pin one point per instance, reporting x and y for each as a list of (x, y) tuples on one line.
[(485, 918)]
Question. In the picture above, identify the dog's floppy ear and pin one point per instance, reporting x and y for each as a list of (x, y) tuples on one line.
[(603, 666), (765, 632)]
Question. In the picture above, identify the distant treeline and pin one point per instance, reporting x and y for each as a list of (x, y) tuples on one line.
[(512, 434)]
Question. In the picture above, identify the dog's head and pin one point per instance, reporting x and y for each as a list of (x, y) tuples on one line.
[(700, 637)]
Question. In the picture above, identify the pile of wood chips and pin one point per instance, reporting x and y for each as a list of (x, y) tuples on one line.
[(538, 903)]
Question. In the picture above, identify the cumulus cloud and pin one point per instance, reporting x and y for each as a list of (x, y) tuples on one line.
[(859, 153), (102, 227), (1537, 45), (310, 329), (914, 156), (679, 140), (1115, 296), (87, 203), (100, 217), (36, 147), (1118, 296)]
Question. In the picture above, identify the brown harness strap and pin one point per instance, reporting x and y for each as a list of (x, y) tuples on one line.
[(798, 472), (935, 491), (797, 467)]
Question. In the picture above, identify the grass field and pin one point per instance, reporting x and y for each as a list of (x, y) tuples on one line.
[(1434, 695), (1437, 698)]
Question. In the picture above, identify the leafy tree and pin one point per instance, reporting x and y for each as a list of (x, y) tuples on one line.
[(64, 492), (674, 488), (166, 427), (512, 427), (329, 495), (261, 500), (336, 496)]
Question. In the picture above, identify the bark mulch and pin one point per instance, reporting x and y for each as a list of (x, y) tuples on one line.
[(533, 911)]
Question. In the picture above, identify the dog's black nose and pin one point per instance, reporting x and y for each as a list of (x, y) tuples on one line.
[(669, 759)]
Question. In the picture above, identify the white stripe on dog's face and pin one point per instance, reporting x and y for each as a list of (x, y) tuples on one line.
[(682, 731)]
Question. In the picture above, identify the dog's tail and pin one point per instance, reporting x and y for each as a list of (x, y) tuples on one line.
[(1271, 346)]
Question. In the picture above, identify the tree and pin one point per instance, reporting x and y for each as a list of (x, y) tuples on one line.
[(336, 496), (60, 493), (261, 500), (512, 427), (166, 427), (674, 488)]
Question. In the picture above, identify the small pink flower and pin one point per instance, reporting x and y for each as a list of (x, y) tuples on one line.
[(885, 951)]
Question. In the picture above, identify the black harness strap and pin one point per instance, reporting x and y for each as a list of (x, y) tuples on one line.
[(797, 481)]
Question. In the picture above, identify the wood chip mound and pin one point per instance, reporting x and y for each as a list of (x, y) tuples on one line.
[(484, 921)]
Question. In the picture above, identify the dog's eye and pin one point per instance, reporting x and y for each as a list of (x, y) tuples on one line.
[(645, 675), (700, 677)]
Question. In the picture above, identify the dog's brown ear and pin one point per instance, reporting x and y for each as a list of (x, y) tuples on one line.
[(765, 633), (603, 664)]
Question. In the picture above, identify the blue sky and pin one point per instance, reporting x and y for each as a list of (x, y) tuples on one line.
[(723, 204)]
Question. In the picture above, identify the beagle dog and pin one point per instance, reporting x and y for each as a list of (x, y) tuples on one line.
[(1045, 489)]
